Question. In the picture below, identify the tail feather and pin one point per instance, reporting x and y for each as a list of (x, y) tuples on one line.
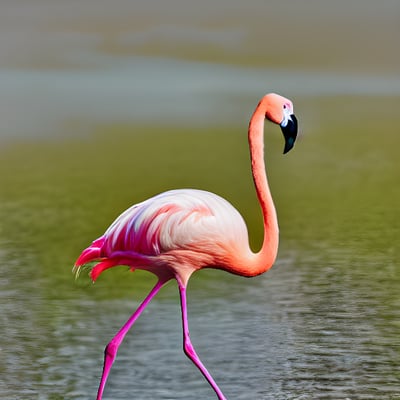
[(94, 253), (102, 266), (90, 254)]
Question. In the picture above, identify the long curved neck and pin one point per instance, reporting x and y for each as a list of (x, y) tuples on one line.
[(264, 259)]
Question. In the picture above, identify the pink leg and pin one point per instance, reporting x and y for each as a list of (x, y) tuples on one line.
[(111, 349), (189, 349)]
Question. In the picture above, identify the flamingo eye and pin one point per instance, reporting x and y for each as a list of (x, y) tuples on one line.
[(287, 106)]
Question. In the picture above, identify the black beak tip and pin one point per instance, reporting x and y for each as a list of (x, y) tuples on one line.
[(290, 133), (288, 145)]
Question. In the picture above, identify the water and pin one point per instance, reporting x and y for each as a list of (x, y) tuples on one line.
[(82, 138), (323, 323), (279, 336)]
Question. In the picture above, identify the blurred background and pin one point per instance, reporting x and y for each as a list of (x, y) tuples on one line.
[(103, 104)]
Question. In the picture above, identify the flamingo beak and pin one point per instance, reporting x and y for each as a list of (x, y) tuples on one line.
[(289, 130)]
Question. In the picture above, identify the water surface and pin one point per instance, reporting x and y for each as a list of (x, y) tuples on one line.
[(104, 106), (323, 323)]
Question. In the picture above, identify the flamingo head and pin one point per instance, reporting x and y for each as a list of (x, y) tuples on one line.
[(280, 111)]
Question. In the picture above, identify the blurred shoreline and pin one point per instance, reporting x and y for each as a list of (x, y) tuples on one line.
[(79, 64), (42, 103), (358, 36)]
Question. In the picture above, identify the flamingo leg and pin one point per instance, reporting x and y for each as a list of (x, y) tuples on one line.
[(188, 346), (111, 349)]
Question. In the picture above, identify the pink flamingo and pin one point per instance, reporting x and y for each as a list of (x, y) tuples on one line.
[(181, 231)]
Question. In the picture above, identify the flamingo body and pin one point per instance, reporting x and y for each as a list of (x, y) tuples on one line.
[(178, 232), (175, 232)]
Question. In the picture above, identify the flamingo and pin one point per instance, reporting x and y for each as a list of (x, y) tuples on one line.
[(179, 232)]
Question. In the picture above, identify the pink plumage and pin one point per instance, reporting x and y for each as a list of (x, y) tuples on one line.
[(174, 220), (181, 231), (168, 228)]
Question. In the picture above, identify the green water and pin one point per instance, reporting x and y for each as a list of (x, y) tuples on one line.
[(324, 323), (103, 105)]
